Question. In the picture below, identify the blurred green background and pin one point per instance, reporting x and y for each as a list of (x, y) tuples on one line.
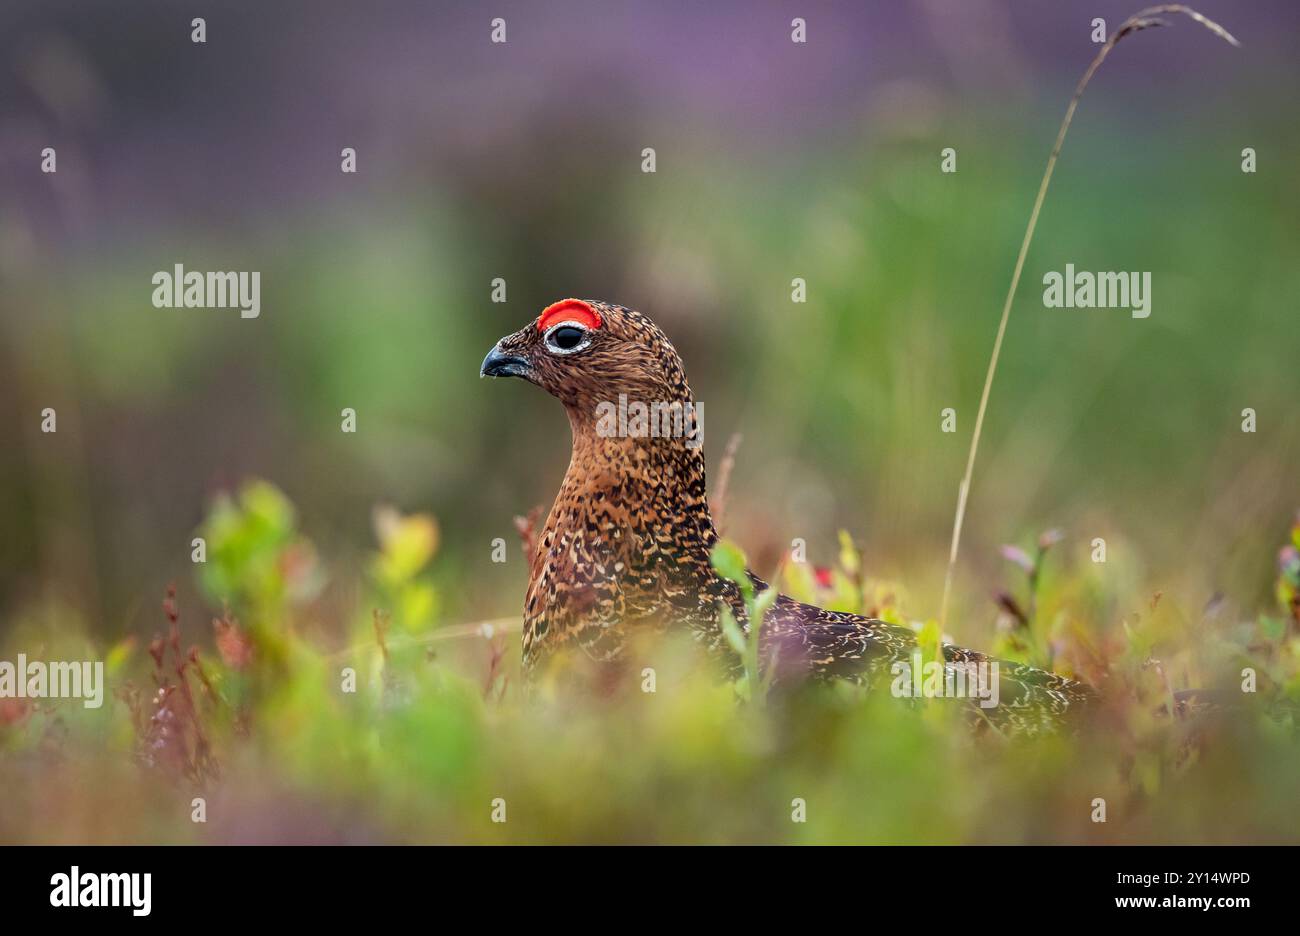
[(523, 161)]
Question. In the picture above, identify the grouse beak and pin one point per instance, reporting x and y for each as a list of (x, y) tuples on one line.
[(500, 364)]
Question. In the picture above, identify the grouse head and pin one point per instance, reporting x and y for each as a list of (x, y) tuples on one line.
[(588, 352)]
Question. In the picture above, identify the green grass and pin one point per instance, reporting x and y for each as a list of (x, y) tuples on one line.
[(255, 719)]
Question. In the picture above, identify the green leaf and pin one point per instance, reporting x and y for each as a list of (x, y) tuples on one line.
[(850, 558), (407, 542), (930, 640), (1272, 628), (729, 561), (735, 636)]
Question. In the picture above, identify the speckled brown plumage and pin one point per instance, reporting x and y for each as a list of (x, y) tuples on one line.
[(626, 545)]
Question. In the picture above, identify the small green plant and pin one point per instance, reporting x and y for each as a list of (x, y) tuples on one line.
[(256, 559), (407, 544), (1024, 638), (728, 560), (844, 586)]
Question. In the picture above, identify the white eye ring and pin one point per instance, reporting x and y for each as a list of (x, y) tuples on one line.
[(556, 349)]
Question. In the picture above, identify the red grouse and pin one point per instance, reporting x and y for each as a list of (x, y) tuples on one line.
[(627, 544)]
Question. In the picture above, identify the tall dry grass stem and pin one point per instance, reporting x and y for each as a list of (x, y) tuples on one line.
[(1143, 19)]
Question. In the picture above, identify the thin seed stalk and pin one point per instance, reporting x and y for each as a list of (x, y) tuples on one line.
[(1143, 19)]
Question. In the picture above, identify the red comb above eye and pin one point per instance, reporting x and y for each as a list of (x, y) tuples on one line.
[(568, 310)]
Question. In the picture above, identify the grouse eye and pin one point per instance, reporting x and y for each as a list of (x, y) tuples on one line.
[(566, 338)]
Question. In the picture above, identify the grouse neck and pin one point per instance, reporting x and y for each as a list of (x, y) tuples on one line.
[(655, 483)]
